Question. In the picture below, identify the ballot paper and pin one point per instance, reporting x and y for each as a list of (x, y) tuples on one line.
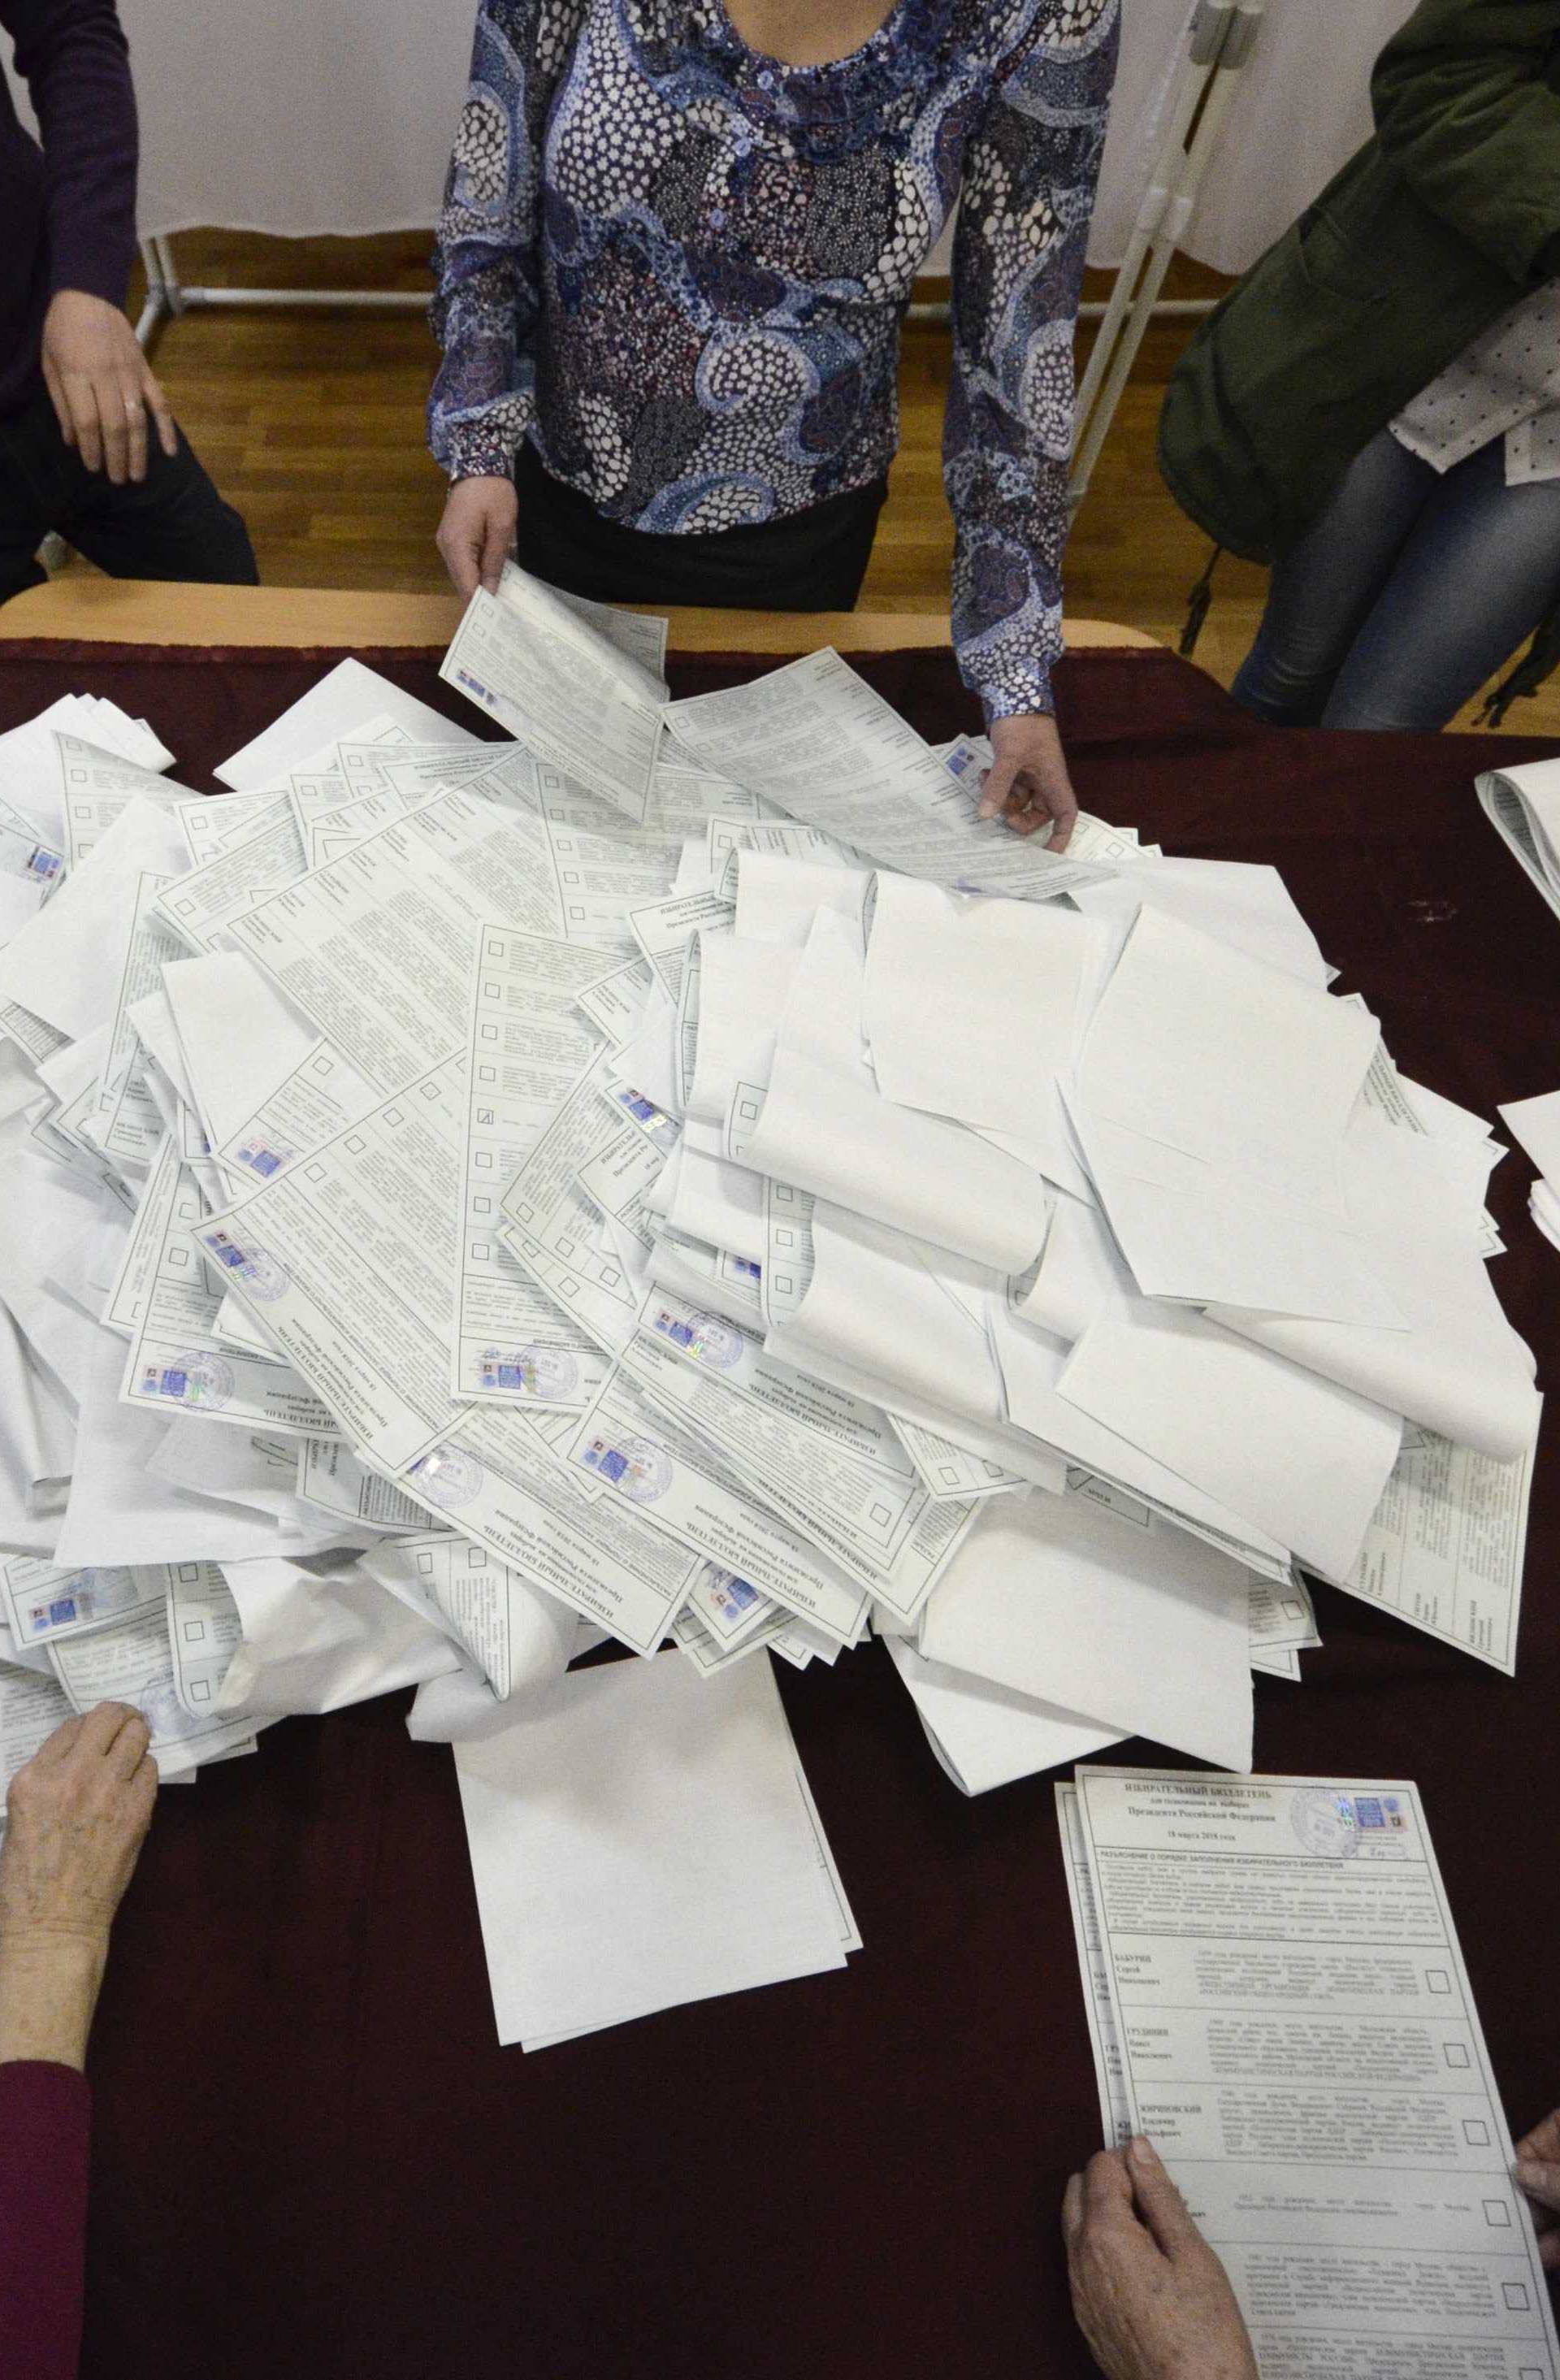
[(983, 1735), (1445, 1548), (1299, 2039), (64, 966), (178, 1359), (31, 1707), (816, 739), (521, 1639), (133, 1662), (96, 787), (527, 1046), (823, 1130), (1093, 1967), (567, 691), (337, 706), (1300, 1458), (204, 1631), (1523, 806), (640, 1839), (269, 854), (41, 1604), (830, 1463), (1141, 1630)]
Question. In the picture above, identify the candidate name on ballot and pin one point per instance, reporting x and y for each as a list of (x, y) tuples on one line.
[(1278, 1997), (460, 1200)]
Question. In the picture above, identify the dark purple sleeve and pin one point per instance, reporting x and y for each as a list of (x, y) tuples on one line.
[(45, 2123), (74, 61)]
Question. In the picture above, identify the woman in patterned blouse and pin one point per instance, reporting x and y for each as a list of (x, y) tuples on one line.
[(678, 240)]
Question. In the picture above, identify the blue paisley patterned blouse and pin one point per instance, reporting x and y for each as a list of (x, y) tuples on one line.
[(680, 267)]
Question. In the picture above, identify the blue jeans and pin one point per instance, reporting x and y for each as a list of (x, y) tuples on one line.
[(1409, 589)]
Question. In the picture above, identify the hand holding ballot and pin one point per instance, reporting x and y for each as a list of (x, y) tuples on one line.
[(1151, 2297), (1027, 785)]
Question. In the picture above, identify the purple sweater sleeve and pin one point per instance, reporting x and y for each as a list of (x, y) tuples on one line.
[(45, 2120), (74, 58)]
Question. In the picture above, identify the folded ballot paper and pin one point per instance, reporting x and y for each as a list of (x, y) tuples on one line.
[(673, 1175), (1523, 806)]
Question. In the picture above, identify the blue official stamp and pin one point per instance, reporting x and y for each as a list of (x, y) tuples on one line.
[(262, 1161), (704, 1337), (262, 1275), (448, 1477), (638, 1469), (202, 1379), (550, 1374), (731, 1595)]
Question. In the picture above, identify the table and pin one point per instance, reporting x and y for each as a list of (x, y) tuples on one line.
[(310, 2157)]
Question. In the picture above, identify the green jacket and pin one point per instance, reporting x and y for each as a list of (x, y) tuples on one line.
[(1439, 224)]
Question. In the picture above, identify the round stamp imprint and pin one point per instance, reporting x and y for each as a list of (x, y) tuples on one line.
[(1324, 1823), (448, 1477)]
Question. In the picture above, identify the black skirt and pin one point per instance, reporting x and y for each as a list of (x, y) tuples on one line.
[(812, 561)]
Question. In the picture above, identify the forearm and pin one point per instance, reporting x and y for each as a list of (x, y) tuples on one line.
[(486, 257), (1007, 607), (1029, 181), (72, 56), (49, 1989), (483, 396)]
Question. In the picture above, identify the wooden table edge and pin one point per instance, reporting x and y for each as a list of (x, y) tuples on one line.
[(154, 612)]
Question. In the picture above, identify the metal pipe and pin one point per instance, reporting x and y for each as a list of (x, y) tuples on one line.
[(397, 301)]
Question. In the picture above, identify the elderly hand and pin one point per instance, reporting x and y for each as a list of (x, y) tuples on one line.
[(476, 532), (1151, 2297), (101, 386), (77, 1815), (1027, 780), (1538, 2172)]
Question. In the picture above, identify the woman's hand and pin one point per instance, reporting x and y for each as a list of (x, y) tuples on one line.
[(77, 1815), (475, 534), (1151, 2297), (1538, 2172), (1027, 779), (101, 386)]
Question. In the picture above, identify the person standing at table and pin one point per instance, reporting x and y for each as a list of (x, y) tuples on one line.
[(77, 1817), (678, 241), (88, 447), (1376, 408)]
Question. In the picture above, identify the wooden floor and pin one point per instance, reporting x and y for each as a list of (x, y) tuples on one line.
[(312, 424)]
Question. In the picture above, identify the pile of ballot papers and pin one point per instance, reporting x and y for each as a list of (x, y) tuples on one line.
[(675, 1175)]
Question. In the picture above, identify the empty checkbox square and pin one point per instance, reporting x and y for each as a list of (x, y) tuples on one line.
[(1497, 2214)]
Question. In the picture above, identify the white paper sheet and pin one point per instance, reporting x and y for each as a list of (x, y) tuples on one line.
[(640, 1842), (1140, 1630), (1291, 1454)]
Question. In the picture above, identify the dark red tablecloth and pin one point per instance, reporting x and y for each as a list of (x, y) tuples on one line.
[(311, 2158)]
